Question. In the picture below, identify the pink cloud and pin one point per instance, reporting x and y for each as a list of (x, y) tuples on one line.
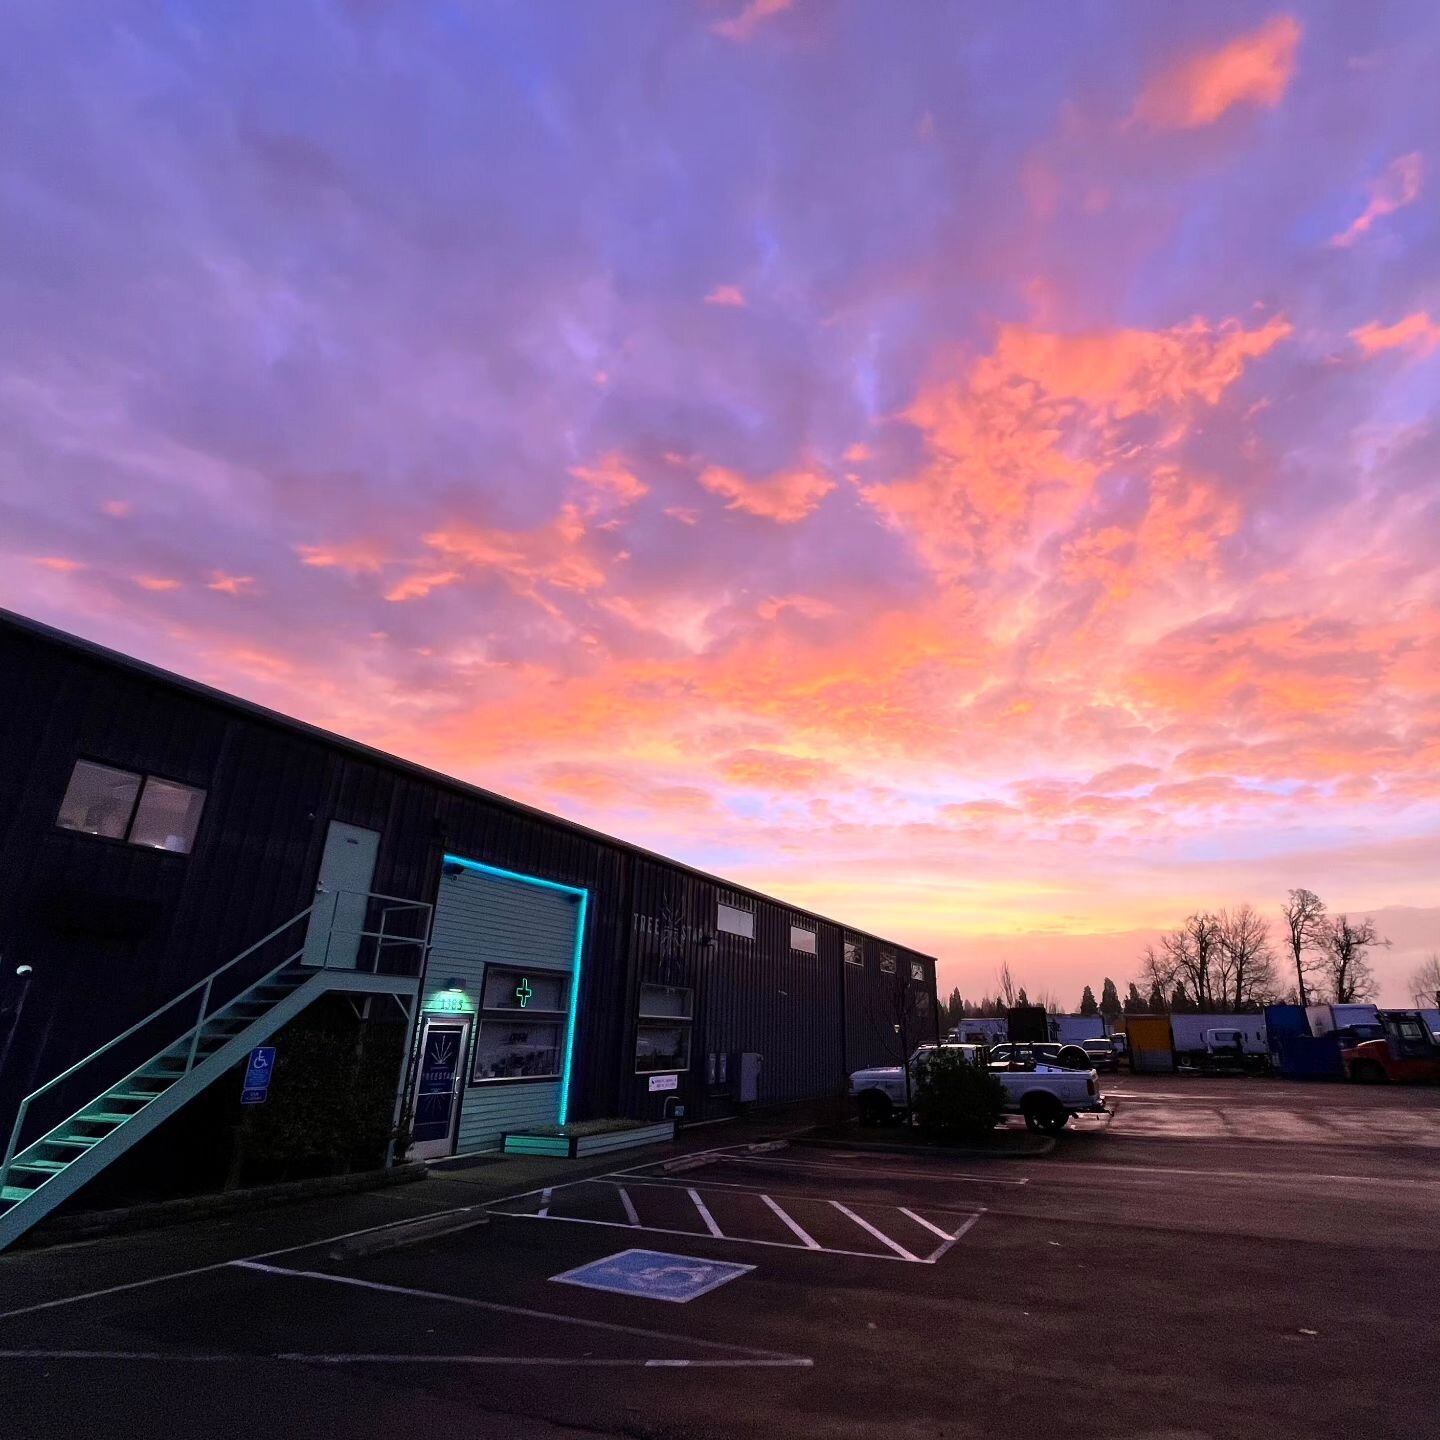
[(61, 564), (355, 557), (729, 295), (157, 583), (1253, 69), (1399, 185), (117, 509), (1417, 332), (231, 584), (786, 497), (743, 26), (612, 477)]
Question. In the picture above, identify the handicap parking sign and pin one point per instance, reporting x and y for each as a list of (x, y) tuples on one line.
[(654, 1275)]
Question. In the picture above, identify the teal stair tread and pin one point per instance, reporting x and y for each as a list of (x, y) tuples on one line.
[(99, 1117), (134, 1094), (49, 1166), (14, 1193)]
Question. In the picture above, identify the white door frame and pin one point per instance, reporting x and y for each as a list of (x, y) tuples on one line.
[(436, 1148)]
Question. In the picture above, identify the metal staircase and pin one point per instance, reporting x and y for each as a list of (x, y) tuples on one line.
[(50, 1169)]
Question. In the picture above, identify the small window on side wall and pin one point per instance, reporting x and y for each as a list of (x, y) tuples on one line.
[(802, 939), (917, 972), (121, 805), (732, 920), (854, 951), (887, 962)]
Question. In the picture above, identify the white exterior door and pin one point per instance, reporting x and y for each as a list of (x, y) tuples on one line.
[(347, 875)]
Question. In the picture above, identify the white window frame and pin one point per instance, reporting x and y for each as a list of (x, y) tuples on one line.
[(814, 946), (887, 962), (854, 950)]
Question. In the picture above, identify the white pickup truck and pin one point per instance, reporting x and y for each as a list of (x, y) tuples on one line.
[(1046, 1095)]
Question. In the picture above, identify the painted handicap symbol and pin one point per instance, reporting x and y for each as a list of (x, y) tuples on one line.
[(654, 1275)]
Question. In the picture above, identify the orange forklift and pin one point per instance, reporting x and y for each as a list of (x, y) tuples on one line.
[(1407, 1052)]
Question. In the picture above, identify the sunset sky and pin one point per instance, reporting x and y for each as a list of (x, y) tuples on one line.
[(972, 470)]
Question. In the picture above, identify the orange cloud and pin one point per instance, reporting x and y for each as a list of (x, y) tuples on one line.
[(1253, 69), (1398, 186), (356, 557), (1416, 332), (61, 564), (117, 509), (1018, 444), (420, 584), (784, 498), (611, 476), (742, 26), (771, 770), (554, 554), (731, 295), (155, 582), (231, 584)]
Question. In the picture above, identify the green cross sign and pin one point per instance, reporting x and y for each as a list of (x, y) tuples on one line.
[(523, 992)]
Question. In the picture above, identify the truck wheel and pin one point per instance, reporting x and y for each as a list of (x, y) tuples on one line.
[(1044, 1113), (1367, 1072), (876, 1109)]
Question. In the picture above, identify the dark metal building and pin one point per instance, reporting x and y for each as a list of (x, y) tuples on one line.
[(151, 829)]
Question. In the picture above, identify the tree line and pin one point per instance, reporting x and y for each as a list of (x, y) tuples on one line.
[(1230, 961)]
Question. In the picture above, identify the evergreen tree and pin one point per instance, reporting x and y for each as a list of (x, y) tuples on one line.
[(1110, 999), (1180, 1001), (1087, 1003), (1156, 1003), (1134, 1001), (1021, 998)]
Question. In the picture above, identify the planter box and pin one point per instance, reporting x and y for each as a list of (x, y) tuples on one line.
[(517, 1142)]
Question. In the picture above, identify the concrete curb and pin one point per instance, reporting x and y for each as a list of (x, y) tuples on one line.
[(160, 1213), (408, 1232), (1038, 1145)]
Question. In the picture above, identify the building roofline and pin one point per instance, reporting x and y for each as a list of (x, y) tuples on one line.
[(225, 700)]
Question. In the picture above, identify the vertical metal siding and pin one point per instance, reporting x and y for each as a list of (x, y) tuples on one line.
[(271, 792)]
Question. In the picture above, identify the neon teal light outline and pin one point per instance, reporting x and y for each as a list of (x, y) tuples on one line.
[(577, 957)]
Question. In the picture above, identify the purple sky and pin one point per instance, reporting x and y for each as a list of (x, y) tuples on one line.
[(973, 470)]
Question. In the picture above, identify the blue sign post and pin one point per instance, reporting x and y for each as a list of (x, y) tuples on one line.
[(257, 1075)]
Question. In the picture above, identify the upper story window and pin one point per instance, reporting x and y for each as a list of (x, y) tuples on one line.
[(854, 951), (121, 805), (802, 939), (917, 972), (732, 920), (887, 962)]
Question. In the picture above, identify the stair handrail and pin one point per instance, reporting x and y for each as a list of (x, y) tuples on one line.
[(204, 985)]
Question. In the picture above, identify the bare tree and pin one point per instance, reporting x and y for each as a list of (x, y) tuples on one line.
[(1425, 983), (1006, 982), (1304, 915), (1351, 979), (1245, 973)]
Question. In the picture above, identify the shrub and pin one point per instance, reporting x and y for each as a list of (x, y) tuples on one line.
[(953, 1097)]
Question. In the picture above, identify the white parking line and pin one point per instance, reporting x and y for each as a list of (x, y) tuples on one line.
[(880, 1235), (693, 1235), (805, 1239), (921, 1220), (659, 1182), (629, 1205), (705, 1215), (494, 1306), (544, 1201), (302, 1358)]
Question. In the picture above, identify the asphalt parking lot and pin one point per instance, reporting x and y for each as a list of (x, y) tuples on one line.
[(1218, 1258)]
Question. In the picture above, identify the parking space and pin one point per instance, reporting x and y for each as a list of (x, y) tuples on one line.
[(757, 1213), (823, 1291)]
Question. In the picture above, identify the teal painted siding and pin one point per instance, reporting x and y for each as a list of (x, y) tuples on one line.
[(485, 920)]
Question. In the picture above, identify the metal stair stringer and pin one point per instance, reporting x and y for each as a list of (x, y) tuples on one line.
[(22, 1208)]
